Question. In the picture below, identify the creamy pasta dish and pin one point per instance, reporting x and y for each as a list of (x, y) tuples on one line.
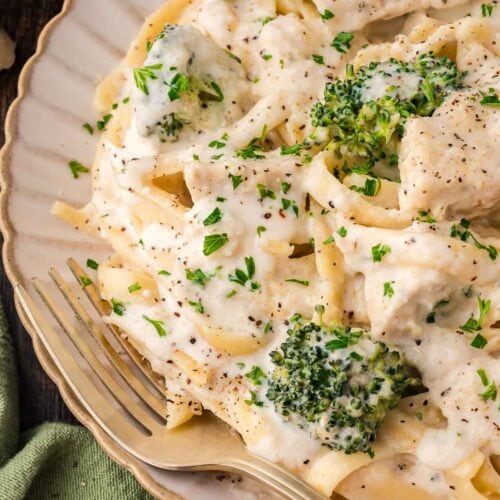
[(303, 199)]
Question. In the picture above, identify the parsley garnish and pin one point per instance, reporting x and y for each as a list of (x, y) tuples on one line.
[(214, 242), (88, 127), (425, 216), (329, 240), (265, 192), (85, 281), (472, 324), (216, 144), (491, 387), (253, 400), (134, 288), (286, 204), (241, 277), (178, 85), (197, 306), (250, 151), (317, 58), (371, 187), (255, 375), (266, 57), (92, 264), (158, 324), (292, 150), (299, 282), (285, 187), (342, 232), (163, 272), (462, 232), (77, 168), (266, 20), (327, 15), (378, 251), (478, 342), (198, 277), (214, 217), (388, 290), (260, 230), (118, 307), (103, 122), (236, 180), (490, 99), (486, 9), (142, 75), (342, 41)]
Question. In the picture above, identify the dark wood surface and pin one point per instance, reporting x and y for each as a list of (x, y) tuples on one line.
[(39, 399)]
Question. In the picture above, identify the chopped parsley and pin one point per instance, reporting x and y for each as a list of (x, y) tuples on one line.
[(342, 232), (287, 204), (214, 242), (299, 282), (490, 99), (198, 277), (264, 192), (85, 281), (158, 324), (134, 288), (236, 180), (478, 342), (255, 375), (216, 144), (88, 127), (92, 264), (214, 217), (197, 306), (378, 251), (472, 324), (77, 168), (103, 122), (326, 15), (253, 400), (317, 58), (425, 216), (487, 9), (260, 230), (266, 57), (388, 290), (118, 307), (142, 75), (178, 85), (163, 272), (266, 20), (371, 188), (462, 232), (242, 278), (252, 150), (342, 42), (292, 150), (285, 187), (491, 387)]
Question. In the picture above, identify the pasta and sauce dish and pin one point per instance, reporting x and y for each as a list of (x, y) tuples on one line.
[(303, 199)]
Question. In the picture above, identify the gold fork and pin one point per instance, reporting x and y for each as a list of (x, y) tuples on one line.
[(131, 408)]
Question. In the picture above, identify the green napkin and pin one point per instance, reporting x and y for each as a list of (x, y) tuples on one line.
[(53, 460)]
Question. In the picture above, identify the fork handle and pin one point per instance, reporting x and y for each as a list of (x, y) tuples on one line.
[(282, 481)]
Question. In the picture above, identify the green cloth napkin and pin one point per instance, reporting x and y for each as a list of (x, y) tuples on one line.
[(53, 460)]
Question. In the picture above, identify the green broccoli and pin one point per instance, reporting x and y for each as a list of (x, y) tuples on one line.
[(363, 116), (336, 382)]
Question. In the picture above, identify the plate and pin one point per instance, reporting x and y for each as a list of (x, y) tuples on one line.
[(44, 132)]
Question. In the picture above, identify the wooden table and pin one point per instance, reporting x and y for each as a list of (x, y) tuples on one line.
[(39, 398)]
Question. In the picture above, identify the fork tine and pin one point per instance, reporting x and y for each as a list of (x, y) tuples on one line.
[(88, 394), (103, 308), (137, 411), (121, 366)]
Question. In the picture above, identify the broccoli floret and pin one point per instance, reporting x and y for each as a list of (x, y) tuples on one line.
[(363, 116), (337, 383)]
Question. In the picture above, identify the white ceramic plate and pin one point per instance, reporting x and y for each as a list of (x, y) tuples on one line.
[(44, 132)]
